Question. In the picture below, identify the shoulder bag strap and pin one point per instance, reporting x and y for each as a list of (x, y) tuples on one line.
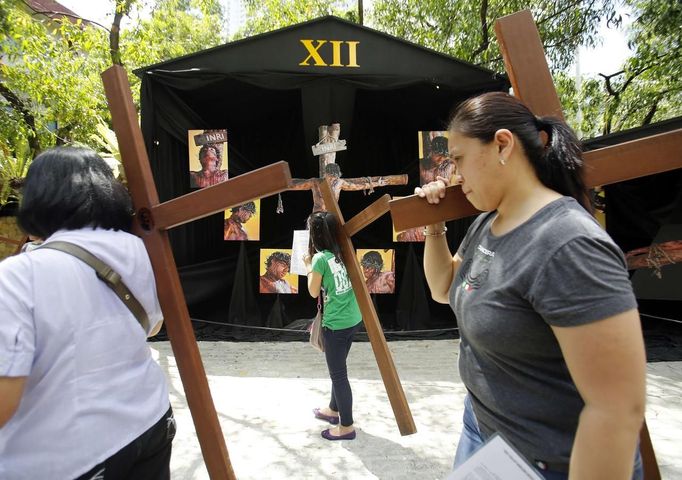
[(108, 275)]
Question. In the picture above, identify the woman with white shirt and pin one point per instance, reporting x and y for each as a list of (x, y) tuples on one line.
[(81, 395)]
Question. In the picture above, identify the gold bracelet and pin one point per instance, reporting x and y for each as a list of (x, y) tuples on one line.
[(442, 232)]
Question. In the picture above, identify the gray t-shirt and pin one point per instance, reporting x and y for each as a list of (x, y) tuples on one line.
[(558, 268)]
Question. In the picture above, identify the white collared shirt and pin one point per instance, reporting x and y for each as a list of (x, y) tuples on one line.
[(92, 386)]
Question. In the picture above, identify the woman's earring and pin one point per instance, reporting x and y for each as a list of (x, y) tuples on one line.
[(502, 161)]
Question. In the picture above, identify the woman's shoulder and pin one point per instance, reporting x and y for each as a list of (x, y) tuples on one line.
[(567, 221)]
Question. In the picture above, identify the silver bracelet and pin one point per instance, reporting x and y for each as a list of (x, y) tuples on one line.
[(442, 232)]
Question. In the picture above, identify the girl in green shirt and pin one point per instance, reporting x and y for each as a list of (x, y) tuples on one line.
[(340, 321)]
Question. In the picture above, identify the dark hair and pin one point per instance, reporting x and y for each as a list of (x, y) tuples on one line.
[(323, 227), (332, 169), (439, 145), (372, 259), (68, 188), (558, 164), (278, 257), (211, 146), (248, 206)]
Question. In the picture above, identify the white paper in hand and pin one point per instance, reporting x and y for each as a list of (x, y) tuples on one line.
[(495, 460), (298, 249)]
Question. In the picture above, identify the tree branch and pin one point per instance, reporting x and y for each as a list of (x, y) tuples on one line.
[(485, 41)]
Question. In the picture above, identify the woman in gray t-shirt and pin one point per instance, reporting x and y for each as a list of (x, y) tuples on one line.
[(551, 347)]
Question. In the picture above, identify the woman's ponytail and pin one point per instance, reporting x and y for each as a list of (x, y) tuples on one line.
[(563, 160)]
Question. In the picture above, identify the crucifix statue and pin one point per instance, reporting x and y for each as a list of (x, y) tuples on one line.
[(331, 172), (532, 82)]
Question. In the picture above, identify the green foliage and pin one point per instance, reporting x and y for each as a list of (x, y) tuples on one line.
[(13, 166), (51, 91), (266, 15), (648, 87), (465, 29)]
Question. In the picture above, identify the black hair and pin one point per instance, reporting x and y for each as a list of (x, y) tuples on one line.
[(323, 227), (558, 164), (278, 257), (211, 146), (372, 259), (249, 206), (68, 188), (332, 169), (439, 145)]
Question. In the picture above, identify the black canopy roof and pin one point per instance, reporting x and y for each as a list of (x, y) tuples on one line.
[(272, 92)]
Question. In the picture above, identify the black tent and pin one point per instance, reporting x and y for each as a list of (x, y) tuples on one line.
[(271, 92)]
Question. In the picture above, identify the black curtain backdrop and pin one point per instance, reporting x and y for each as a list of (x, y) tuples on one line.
[(272, 106)]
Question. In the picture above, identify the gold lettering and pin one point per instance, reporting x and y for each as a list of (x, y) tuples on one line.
[(352, 54), (336, 59), (313, 53)]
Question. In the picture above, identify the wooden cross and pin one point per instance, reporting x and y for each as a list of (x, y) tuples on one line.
[(330, 134), (525, 62), (389, 375), (152, 220)]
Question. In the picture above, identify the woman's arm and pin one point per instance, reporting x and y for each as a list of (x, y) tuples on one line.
[(11, 389), (440, 265), (314, 278), (156, 328), (607, 362)]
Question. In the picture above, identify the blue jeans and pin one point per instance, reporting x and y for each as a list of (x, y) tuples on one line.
[(337, 344), (471, 440)]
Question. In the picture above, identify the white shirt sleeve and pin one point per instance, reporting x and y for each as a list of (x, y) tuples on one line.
[(17, 331)]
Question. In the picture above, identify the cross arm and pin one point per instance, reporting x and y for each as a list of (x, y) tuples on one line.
[(363, 183), (638, 158), (367, 216), (236, 191)]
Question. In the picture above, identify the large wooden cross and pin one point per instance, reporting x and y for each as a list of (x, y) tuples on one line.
[(525, 62), (152, 221), (389, 375)]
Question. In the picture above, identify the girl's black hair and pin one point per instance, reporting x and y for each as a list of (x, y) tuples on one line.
[(323, 227), (68, 188), (558, 164)]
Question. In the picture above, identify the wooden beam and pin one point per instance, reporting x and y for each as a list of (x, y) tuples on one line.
[(171, 298), (413, 211), (394, 389), (634, 159), (367, 216), (216, 198), (526, 65)]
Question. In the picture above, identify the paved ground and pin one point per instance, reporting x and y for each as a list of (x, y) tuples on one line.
[(264, 393)]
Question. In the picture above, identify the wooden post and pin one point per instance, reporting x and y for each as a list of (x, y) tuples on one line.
[(152, 220), (394, 389)]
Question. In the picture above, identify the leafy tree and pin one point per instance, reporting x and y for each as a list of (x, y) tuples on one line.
[(51, 91), (465, 29), (266, 15), (649, 86)]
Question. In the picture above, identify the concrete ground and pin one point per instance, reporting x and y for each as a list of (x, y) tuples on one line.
[(264, 394)]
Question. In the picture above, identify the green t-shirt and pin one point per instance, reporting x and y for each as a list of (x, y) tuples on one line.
[(341, 309)]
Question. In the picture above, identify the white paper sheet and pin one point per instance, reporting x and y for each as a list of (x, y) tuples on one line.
[(496, 460), (298, 249)]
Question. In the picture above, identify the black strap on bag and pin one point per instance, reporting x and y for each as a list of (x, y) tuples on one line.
[(108, 275)]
